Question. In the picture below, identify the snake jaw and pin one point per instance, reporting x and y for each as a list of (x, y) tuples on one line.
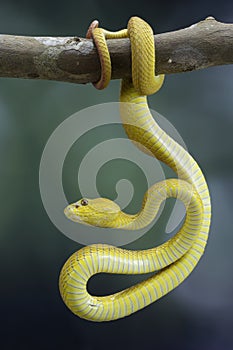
[(71, 212)]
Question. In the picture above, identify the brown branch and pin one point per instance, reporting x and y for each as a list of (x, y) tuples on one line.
[(73, 59)]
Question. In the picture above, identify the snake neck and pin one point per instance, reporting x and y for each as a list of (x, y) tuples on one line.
[(125, 220), (153, 198)]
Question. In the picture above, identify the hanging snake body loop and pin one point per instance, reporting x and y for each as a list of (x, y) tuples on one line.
[(175, 259)]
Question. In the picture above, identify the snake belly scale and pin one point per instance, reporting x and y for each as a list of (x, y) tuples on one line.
[(174, 260)]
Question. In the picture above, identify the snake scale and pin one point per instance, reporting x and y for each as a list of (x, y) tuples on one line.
[(174, 260)]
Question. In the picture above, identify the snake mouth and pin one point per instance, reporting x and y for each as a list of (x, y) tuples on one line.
[(69, 213)]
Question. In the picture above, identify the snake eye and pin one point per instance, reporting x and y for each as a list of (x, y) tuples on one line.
[(84, 202)]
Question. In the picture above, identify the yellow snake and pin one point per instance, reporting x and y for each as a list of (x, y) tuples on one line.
[(175, 259)]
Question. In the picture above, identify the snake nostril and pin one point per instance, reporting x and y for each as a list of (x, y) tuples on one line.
[(76, 206)]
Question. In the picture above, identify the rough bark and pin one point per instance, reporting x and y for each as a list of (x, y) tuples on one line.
[(73, 59)]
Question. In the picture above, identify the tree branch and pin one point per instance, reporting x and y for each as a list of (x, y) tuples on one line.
[(73, 59)]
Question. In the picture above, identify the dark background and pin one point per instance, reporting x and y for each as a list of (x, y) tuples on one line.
[(199, 313)]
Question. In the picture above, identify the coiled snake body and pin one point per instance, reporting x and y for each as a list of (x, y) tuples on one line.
[(176, 258)]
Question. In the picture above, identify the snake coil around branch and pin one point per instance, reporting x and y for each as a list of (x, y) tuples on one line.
[(75, 59)]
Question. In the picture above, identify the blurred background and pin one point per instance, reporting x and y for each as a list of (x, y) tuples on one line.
[(199, 313)]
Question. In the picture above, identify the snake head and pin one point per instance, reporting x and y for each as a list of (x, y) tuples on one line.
[(101, 212)]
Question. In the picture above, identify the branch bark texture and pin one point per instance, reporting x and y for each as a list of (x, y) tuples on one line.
[(73, 59)]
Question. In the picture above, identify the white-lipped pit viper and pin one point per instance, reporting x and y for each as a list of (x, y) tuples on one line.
[(174, 260)]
